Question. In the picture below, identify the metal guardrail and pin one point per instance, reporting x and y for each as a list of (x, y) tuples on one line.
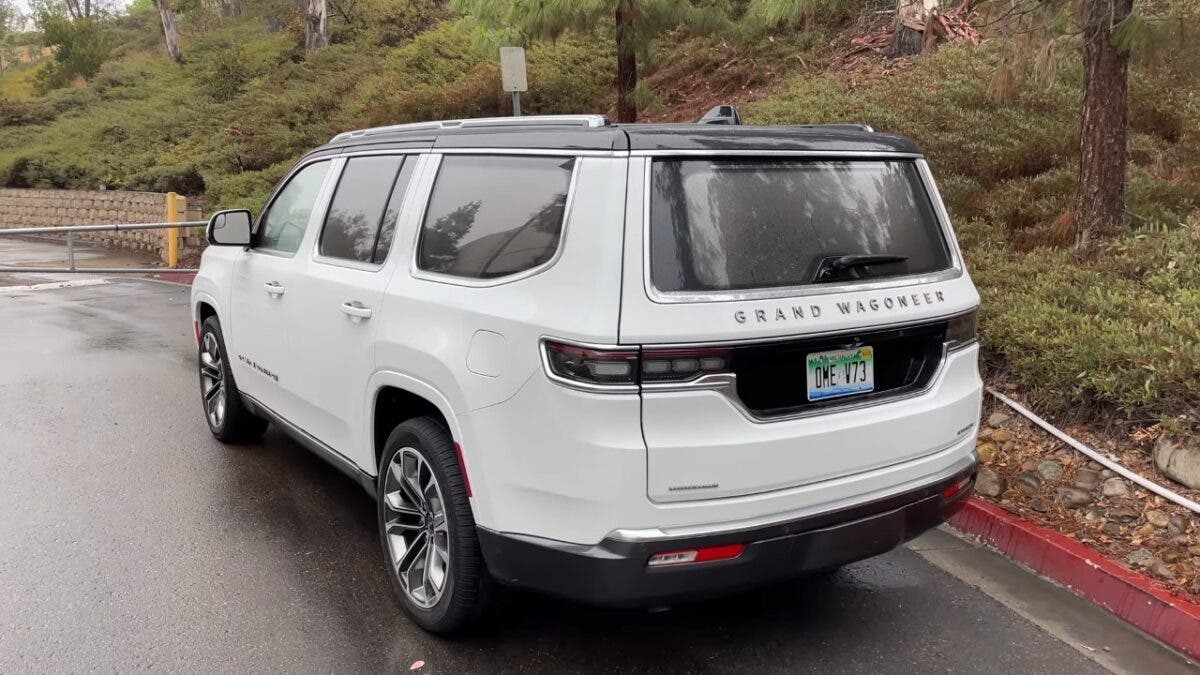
[(70, 230)]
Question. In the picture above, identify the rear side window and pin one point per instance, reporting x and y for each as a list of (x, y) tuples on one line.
[(363, 212), (720, 225), (492, 216)]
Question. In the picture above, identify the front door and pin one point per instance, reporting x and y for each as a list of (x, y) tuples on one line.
[(339, 298), (264, 293)]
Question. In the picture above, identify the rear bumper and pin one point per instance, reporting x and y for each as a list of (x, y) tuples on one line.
[(614, 572)]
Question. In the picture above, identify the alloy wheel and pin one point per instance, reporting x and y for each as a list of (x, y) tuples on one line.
[(212, 380), (418, 537)]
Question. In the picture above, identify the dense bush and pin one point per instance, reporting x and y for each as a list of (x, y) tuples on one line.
[(80, 48), (1121, 332), (945, 106)]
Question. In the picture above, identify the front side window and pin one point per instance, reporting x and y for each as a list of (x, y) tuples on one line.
[(283, 224), (367, 199), (492, 216), (736, 224)]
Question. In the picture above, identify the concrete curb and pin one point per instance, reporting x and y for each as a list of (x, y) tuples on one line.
[(1131, 596)]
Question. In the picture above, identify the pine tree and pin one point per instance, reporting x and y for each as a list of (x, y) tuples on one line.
[(1104, 122)]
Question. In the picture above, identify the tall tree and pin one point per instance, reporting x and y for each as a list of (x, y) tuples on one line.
[(1104, 122), (315, 36), (634, 25), (170, 33), (1107, 33)]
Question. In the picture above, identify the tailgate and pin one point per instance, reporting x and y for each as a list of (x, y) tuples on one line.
[(751, 276)]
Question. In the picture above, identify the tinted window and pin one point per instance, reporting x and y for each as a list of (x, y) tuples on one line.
[(282, 227), (494, 216), (738, 224), (360, 205), (384, 243)]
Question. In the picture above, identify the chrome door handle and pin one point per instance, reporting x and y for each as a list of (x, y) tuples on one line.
[(356, 311), (274, 288)]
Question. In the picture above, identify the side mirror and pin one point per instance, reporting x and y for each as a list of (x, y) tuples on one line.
[(229, 228)]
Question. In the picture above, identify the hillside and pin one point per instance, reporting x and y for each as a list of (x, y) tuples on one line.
[(1114, 339)]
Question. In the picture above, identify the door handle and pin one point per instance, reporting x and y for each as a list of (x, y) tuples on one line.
[(274, 288), (356, 311)]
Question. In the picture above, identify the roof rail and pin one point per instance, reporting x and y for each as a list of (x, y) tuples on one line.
[(844, 127), (481, 122)]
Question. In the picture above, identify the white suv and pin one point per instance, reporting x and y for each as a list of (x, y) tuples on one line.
[(625, 364)]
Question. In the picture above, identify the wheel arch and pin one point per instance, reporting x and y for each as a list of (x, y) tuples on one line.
[(204, 306), (396, 398)]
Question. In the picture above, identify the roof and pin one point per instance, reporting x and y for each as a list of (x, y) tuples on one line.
[(592, 132)]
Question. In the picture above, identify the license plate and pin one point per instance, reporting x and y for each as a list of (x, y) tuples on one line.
[(840, 372)]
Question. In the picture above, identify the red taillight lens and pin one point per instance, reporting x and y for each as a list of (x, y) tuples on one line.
[(591, 366), (681, 365), (696, 555)]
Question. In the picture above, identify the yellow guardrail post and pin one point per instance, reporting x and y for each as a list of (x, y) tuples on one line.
[(172, 232)]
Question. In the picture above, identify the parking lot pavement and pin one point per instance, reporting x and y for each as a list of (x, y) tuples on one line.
[(129, 539)]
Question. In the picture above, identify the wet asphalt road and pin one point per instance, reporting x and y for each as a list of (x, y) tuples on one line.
[(130, 539)]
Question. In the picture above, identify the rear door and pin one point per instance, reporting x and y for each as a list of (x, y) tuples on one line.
[(339, 298), (264, 295), (776, 295)]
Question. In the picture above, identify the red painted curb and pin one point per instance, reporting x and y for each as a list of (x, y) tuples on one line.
[(184, 278), (1129, 595)]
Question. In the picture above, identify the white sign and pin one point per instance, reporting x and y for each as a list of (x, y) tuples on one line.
[(512, 69)]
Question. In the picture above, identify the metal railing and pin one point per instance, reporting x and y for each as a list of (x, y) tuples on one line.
[(71, 230)]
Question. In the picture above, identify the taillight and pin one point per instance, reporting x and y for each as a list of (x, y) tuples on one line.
[(961, 331), (681, 365), (696, 555), (590, 366)]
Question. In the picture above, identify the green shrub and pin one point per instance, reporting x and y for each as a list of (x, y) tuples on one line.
[(1121, 333), (943, 103), (182, 179), (81, 47)]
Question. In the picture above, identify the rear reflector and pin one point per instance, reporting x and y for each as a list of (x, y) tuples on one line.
[(196, 330), (696, 555), (952, 491), (462, 468)]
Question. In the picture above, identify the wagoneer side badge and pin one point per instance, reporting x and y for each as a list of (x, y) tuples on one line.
[(873, 305)]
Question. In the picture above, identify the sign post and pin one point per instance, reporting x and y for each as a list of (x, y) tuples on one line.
[(512, 74)]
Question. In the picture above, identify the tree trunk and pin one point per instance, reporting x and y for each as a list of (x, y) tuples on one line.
[(627, 76), (170, 33), (1104, 123), (314, 27), (912, 22), (228, 8)]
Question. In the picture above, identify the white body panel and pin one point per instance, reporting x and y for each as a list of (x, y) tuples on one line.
[(550, 461)]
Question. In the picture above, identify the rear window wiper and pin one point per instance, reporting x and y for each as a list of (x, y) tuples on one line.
[(831, 267)]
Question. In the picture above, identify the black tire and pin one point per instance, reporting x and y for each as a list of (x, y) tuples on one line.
[(235, 423), (466, 585)]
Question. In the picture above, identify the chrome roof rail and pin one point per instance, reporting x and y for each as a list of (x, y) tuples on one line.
[(482, 122), (847, 127)]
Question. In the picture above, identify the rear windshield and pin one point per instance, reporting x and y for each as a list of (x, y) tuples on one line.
[(743, 224)]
